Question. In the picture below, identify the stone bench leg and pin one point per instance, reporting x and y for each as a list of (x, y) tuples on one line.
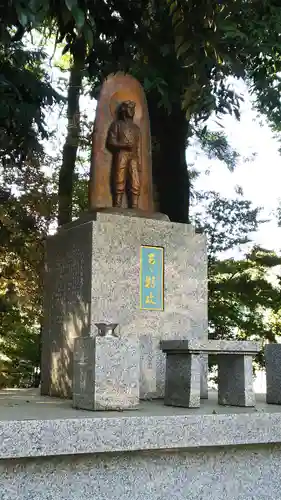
[(272, 354), (235, 380), (182, 383), (204, 376)]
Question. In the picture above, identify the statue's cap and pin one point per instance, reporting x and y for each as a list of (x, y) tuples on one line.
[(131, 104)]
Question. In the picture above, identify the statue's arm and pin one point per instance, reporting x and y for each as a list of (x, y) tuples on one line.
[(112, 138)]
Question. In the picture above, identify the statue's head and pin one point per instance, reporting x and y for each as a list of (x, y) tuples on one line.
[(127, 109)]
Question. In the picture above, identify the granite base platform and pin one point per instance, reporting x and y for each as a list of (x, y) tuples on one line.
[(50, 451), (92, 275)]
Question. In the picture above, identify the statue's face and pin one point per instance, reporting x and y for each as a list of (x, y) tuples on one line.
[(128, 109)]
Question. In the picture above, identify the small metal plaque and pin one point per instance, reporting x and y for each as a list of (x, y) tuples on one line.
[(152, 278)]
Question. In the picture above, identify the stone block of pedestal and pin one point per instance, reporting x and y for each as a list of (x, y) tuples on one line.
[(272, 353), (148, 345), (92, 274), (105, 373)]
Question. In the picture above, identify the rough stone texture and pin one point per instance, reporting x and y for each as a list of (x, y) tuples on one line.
[(33, 426), (272, 353), (92, 275), (105, 373), (211, 346), (92, 215), (182, 385), (148, 366), (204, 376), (67, 291), (241, 473), (235, 380)]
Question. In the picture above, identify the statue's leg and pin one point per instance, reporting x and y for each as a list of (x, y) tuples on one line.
[(134, 182), (120, 179)]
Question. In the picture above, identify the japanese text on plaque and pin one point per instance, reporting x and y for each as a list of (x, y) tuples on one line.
[(151, 278)]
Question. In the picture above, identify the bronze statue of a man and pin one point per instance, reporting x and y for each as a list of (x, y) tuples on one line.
[(123, 141)]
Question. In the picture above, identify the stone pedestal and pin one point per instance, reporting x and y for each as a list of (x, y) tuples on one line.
[(272, 354), (105, 373), (93, 275), (50, 451)]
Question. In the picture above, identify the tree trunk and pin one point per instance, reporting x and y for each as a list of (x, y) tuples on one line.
[(170, 175), (70, 148)]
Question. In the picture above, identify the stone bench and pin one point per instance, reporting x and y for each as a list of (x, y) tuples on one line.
[(235, 371)]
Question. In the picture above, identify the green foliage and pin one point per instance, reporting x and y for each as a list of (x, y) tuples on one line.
[(215, 145), (238, 38), (21, 362), (25, 94), (184, 50), (71, 17), (25, 219), (151, 55), (244, 293), (278, 214), (227, 222), (80, 195), (241, 296)]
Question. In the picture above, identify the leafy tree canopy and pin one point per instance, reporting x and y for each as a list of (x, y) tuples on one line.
[(211, 40), (237, 37), (25, 93), (244, 293)]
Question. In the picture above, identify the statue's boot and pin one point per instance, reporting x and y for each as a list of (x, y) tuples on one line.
[(135, 201), (118, 200)]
